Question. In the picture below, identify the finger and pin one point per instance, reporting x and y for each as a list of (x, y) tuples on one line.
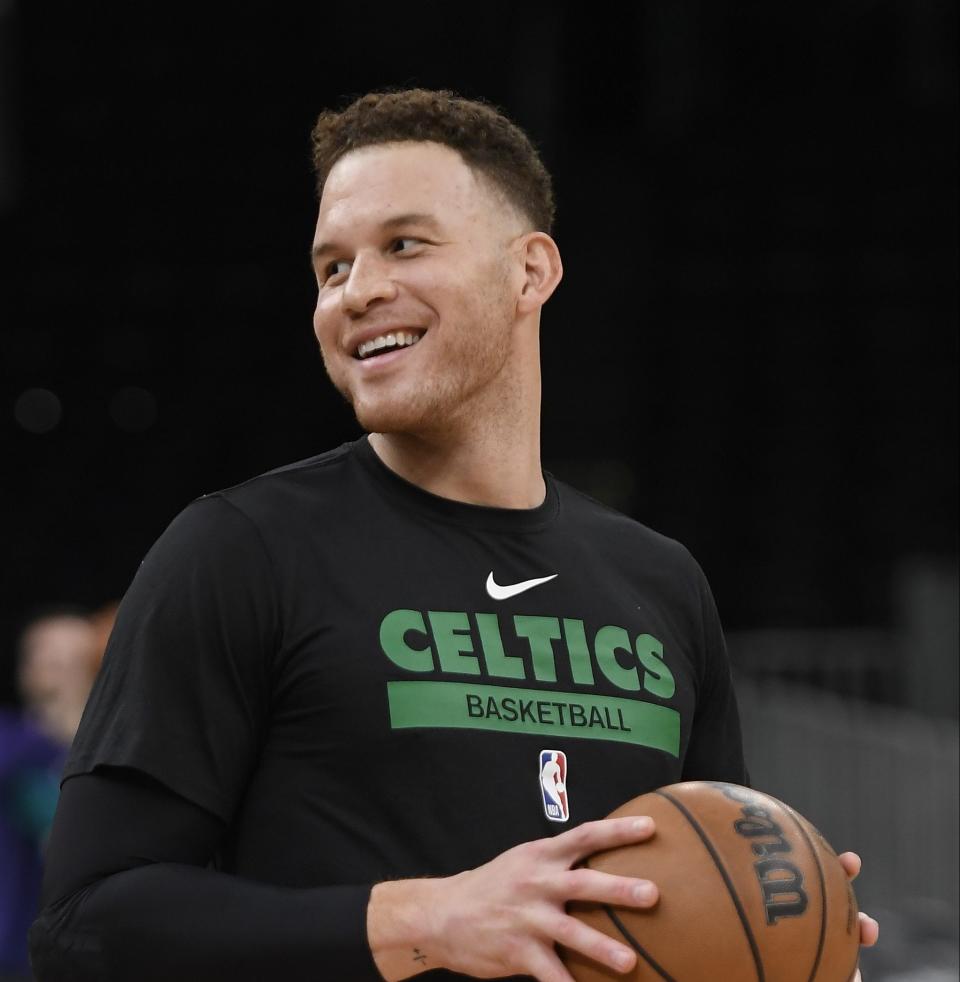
[(869, 930), (851, 863), (577, 936), (605, 888), (591, 837), (544, 965)]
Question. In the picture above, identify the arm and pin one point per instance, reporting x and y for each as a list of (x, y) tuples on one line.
[(715, 750), (126, 895)]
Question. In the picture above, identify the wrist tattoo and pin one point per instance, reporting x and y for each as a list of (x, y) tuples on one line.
[(419, 956)]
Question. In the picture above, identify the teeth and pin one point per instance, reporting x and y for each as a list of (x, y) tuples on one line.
[(395, 339)]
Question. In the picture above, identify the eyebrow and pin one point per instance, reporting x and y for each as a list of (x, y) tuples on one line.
[(408, 218)]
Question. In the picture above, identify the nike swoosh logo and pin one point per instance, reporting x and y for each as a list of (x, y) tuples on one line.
[(512, 589)]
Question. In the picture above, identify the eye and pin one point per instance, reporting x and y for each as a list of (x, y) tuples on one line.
[(333, 269), (404, 243)]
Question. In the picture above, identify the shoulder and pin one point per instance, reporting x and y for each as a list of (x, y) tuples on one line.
[(279, 497), (237, 524), (660, 564), (615, 532), (317, 474)]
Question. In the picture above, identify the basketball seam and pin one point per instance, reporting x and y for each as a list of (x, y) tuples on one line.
[(741, 913), (823, 892), (637, 947)]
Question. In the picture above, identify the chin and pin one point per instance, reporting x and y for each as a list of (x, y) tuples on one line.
[(376, 416)]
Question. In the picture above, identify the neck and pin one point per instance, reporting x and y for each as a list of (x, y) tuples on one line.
[(489, 455)]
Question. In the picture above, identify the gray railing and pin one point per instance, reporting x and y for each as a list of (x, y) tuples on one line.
[(880, 780)]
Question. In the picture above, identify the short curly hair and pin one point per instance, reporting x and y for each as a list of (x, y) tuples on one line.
[(487, 141)]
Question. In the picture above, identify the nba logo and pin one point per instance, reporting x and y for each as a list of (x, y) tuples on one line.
[(553, 784)]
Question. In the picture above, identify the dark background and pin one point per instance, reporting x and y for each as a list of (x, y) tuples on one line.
[(753, 349)]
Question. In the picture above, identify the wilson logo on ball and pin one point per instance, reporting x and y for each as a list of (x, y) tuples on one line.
[(780, 880)]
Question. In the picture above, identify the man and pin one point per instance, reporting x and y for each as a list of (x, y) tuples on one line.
[(331, 683)]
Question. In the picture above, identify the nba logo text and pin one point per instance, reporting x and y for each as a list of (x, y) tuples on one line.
[(553, 785)]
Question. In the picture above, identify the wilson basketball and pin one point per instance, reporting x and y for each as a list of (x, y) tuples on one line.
[(749, 892)]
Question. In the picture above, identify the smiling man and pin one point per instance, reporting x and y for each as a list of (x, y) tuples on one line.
[(310, 754), (430, 285)]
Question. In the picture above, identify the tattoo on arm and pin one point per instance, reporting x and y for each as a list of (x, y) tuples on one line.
[(419, 956)]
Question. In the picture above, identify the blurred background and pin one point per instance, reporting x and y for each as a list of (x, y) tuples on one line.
[(754, 348)]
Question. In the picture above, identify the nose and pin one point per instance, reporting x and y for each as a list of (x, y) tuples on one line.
[(367, 283)]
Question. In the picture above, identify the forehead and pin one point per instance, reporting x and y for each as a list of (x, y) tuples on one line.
[(367, 186)]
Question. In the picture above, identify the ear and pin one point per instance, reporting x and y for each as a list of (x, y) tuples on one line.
[(542, 271)]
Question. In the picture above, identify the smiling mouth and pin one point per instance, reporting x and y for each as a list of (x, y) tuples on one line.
[(391, 341)]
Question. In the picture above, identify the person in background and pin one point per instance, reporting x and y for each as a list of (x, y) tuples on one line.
[(59, 652)]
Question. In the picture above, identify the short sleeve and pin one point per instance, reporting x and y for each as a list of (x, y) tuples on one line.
[(183, 693), (715, 750)]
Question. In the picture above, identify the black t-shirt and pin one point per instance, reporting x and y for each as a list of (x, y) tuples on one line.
[(360, 679)]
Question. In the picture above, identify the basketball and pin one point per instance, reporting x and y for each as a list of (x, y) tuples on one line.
[(749, 892)]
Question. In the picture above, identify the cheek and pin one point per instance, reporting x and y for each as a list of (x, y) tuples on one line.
[(323, 324)]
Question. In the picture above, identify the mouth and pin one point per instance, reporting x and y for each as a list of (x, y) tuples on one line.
[(383, 344)]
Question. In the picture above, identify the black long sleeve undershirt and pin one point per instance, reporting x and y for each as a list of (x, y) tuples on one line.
[(126, 896)]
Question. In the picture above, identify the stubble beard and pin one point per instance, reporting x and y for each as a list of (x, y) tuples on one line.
[(468, 358)]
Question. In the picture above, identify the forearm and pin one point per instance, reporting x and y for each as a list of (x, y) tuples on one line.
[(164, 921), (128, 894)]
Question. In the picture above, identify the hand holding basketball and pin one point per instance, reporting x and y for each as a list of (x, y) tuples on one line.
[(749, 890), (505, 917)]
